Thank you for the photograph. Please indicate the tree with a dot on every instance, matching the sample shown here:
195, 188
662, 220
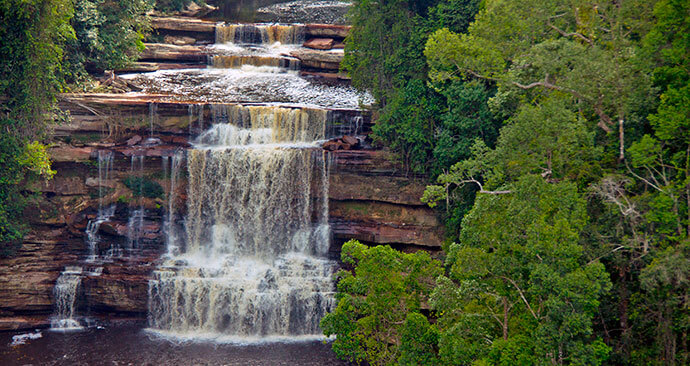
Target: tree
108, 35
32, 34
378, 316
519, 289
569, 47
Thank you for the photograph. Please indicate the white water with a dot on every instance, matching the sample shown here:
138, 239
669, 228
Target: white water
105, 167
253, 264
135, 223
171, 229
65, 292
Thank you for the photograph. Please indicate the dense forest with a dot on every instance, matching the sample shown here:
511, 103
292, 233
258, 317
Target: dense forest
558, 136
556, 139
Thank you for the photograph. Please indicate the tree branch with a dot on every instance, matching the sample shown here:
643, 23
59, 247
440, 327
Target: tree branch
566, 34
481, 188
522, 296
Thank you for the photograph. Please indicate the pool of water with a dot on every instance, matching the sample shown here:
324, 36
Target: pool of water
130, 344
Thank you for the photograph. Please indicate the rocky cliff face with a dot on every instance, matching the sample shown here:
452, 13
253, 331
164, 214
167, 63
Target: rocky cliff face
369, 198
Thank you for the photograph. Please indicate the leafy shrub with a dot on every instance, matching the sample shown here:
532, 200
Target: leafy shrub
142, 186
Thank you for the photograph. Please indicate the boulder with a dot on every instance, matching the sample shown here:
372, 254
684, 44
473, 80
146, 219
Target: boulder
350, 140
320, 43
134, 140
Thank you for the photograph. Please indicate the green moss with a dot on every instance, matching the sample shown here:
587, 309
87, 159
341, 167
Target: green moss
143, 186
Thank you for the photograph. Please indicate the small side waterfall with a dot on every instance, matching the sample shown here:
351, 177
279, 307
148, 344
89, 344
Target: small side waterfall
65, 292
171, 216
105, 167
254, 259
136, 216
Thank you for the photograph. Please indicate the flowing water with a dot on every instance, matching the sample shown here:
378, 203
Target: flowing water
65, 292
254, 263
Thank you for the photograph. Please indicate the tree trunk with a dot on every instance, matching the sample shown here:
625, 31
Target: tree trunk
621, 139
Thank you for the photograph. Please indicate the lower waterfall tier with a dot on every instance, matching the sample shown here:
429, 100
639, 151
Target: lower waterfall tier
242, 297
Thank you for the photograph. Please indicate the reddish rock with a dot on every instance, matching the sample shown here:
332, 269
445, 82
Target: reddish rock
320, 43
350, 140
331, 145
134, 140
327, 30
70, 154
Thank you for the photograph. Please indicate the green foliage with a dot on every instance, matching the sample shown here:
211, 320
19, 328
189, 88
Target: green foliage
378, 317
32, 33
142, 186
383, 50
408, 123
563, 47
109, 35
384, 55
519, 274
167, 6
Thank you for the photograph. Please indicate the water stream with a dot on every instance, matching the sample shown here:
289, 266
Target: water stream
254, 261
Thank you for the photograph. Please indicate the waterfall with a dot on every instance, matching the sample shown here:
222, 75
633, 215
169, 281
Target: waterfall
259, 33
245, 125
172, 235
254, 260
153, 116
236, 61
105, 167
135, 223
65, 292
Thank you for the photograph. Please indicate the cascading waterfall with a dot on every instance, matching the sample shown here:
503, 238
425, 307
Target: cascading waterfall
136, 217
171, 230
236, 61
259, 33
65, 292
105, 167
253, 263
153, 117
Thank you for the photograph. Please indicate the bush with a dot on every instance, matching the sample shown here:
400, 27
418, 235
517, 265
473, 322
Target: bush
142, 186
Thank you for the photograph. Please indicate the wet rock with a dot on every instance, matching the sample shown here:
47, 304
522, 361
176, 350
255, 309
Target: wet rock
134, 140
320, 43
350, 140
334, 145
112, 228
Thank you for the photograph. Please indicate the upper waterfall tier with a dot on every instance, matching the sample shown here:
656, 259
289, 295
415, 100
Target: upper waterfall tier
259, 33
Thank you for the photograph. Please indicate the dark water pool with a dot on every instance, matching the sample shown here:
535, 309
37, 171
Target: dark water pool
131, 345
